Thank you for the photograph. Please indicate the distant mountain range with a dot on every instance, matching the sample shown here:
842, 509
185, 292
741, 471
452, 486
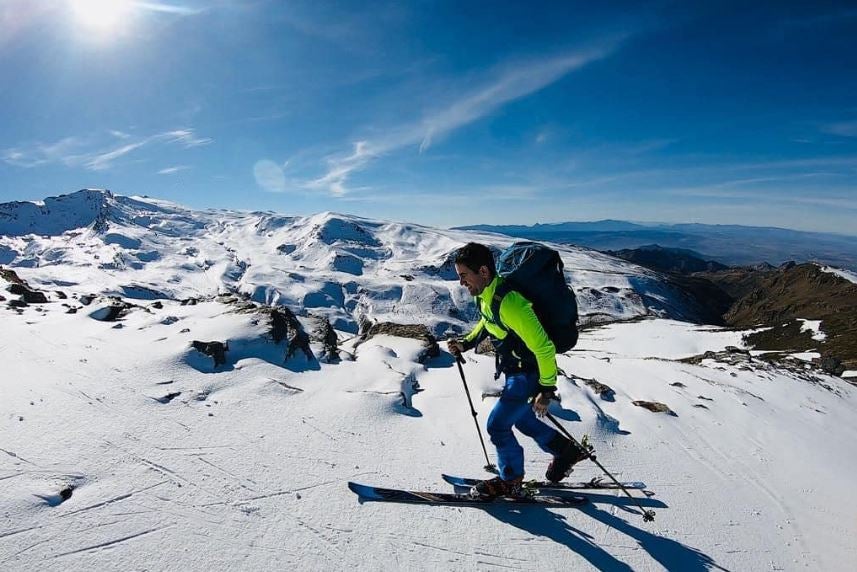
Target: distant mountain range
727, 244
350, 270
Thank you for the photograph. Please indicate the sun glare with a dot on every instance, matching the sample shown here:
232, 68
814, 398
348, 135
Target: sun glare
102, 16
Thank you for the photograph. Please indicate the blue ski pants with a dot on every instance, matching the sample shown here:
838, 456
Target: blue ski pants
515, 410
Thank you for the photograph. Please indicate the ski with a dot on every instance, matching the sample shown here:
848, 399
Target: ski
594, 484
367, 492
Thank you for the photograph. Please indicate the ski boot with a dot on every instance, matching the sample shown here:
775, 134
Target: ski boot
497, 487
568, 454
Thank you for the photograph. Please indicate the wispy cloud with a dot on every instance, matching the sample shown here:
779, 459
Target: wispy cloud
61, 151
103, 161
841, 128
184, 136
80, 152
165, 8
505, 85
173, 170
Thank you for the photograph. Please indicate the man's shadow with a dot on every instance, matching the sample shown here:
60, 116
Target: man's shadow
539, 521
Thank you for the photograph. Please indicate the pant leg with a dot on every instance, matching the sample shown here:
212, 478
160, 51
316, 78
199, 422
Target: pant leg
530, 425
508, 410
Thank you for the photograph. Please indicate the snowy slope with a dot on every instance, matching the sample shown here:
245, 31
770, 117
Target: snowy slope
123, 447
346, 268
842, 273
178, 465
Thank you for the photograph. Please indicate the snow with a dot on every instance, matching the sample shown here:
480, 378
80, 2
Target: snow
246, 466
842, 273
346, 268
813, 326
806, 356
175, 464
849, 373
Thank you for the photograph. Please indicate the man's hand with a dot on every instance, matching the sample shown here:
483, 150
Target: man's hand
455, 347
542, 401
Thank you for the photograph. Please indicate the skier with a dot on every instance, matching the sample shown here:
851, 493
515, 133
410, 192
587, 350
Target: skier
527, 358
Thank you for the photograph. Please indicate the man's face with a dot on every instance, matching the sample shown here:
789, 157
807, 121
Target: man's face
475, 282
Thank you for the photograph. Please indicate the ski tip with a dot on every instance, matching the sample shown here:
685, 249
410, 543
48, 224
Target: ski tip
361, 490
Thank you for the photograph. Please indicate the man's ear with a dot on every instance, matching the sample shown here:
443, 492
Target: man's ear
484, 272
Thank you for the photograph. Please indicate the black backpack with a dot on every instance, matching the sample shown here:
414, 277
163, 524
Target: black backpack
535, 271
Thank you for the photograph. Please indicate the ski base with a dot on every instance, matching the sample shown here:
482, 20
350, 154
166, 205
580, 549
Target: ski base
367, 492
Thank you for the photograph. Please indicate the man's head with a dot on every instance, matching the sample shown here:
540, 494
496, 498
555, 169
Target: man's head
474, 264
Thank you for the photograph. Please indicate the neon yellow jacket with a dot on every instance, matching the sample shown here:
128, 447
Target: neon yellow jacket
516, 313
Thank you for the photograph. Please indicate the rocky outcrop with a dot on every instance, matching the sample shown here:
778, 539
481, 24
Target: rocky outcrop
655, 407
413, 331
217, 350
10, 276
27, 295
285, 326
326, 335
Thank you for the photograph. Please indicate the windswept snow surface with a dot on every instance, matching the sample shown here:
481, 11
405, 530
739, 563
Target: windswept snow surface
174, 464
842, 273
346, 268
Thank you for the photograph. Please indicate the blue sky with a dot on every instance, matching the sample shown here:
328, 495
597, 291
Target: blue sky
441, 113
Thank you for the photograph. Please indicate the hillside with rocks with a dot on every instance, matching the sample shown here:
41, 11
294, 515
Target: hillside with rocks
187, 390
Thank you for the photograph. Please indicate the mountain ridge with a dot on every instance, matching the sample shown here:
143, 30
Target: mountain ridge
733, 245
346, 268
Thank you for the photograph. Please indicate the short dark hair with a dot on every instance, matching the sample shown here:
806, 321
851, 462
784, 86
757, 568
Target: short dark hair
474, 256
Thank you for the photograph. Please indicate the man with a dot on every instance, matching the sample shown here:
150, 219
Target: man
527, 358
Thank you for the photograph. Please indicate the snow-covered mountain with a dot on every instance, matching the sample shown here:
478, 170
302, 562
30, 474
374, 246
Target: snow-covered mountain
346, 268
124, 446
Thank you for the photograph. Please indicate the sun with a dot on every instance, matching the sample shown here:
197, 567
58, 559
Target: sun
102, 16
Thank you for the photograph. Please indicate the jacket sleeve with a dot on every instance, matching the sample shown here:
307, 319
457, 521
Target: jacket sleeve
476, 335
517, 314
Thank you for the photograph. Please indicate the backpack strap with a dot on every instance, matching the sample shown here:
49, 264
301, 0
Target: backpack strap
499, 294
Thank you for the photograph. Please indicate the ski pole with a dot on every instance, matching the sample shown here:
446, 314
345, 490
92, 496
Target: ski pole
648, 515
489, 466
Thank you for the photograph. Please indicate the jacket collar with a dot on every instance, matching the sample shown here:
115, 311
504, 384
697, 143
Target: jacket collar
488, 293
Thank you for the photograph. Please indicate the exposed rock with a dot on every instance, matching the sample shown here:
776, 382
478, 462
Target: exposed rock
2, 298
10, 276
325, 334
485, 347
772, 361
190, 302
17, 304
413, 331
216, 350
29, 296
158, 305
87, 299
116, 310
285, 326
655, 407
168, 397
678, 384
831, 365
605, 391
